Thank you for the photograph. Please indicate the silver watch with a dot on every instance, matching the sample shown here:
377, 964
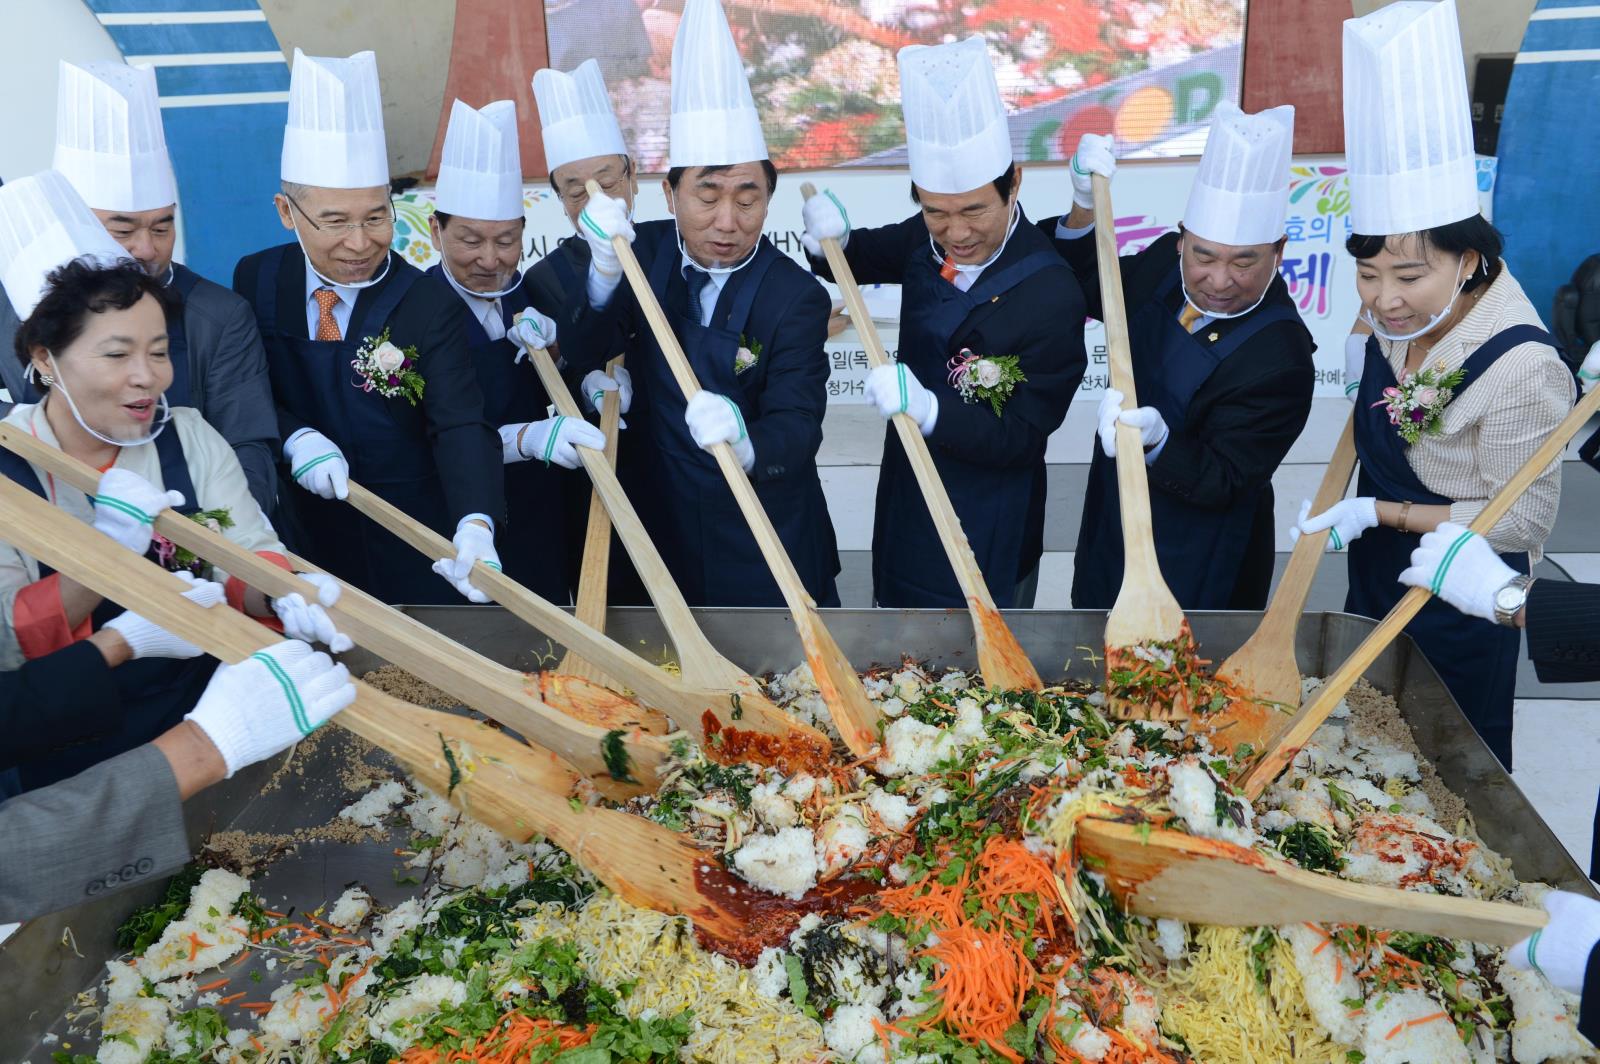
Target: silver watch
1510, 599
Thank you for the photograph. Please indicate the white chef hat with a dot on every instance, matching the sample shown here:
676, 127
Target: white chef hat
44, 224
575, 115
714, 119
480, 166
956, 131
1240, 193
109, 140
1407, 120
334, 138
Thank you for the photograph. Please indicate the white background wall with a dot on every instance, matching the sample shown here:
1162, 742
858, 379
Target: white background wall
38, 35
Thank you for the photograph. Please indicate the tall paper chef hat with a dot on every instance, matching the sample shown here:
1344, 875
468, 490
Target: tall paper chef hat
956, 131
714, 119
45, 224
480, 167
575, 116
334, 138
109, 140
1407, 120
1240, 193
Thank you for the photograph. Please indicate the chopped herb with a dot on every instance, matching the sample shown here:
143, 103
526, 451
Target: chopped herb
616, 756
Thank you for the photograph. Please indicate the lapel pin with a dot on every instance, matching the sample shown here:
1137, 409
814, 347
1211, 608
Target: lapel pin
1213, 337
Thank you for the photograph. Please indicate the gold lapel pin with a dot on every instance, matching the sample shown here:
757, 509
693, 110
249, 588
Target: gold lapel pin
1213, 337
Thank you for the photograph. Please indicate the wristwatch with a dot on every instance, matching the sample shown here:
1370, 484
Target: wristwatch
1510, 599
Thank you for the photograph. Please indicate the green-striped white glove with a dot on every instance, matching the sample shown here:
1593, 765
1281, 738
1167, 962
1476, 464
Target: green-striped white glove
714, 419
126, 505
270, 701
555, 439
1460, 567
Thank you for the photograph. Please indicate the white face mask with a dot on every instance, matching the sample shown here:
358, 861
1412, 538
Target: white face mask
718, 271
516, 283
388, 257
155, 430
1217, 315
1433, 323
1016, 216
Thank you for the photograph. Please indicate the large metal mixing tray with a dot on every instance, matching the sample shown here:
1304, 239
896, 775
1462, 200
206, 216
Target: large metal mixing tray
41, 972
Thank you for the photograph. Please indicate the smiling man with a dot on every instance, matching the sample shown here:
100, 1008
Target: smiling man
110, 146
752, 323
406, 420
1222, 365
981, 288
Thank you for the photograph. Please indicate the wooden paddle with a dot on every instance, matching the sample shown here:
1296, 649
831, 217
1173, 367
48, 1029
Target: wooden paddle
1145, 610
1000, 656
594, 576
701, 664
686, 706
517, 790
1295, 733
1265, 666
1158, 872
500, 692
856, 717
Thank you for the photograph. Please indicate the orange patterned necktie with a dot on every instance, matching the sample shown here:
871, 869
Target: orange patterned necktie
327, 327
947, 268
1188, 316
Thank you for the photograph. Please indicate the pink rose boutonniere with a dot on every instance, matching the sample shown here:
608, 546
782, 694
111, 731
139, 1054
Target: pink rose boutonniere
990, 378
388, 370
1417, 403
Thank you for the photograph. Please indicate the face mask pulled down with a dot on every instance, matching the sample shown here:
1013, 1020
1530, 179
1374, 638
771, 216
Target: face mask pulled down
60, 385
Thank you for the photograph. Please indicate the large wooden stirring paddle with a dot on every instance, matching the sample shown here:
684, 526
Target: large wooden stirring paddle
1296, 732
1145, 610
1265, 666
1159, 872
701, 664
594, 575
465, 674
856, 717
519, 791
1000, 657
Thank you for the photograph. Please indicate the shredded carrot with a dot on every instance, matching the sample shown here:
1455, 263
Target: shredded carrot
232, 997
256, 1006
196, 944
257, 1043
212, 985
511, 1040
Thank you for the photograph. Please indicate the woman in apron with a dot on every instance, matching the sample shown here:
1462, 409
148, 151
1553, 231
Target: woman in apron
98, 347
1460, 386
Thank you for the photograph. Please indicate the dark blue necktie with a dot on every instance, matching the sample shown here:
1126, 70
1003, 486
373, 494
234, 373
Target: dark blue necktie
696, 281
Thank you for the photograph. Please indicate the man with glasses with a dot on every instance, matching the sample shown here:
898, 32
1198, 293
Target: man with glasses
369, 367
111, 148
991, 338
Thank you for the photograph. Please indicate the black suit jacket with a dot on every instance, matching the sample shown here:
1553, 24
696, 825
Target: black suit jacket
1563, 624
63, 698
466, 448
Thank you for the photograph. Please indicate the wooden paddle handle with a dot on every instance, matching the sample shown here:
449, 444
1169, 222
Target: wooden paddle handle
1309, 719
1289, 601
1133, 487
593, 577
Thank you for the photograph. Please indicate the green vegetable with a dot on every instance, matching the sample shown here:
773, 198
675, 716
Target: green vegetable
145, 925
616, 756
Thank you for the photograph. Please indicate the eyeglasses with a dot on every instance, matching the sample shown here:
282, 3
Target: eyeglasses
344, 227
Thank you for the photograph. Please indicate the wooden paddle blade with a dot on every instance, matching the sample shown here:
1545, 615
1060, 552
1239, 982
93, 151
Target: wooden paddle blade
1298, 731
593, 577
1164, 873
856, 717
1001, 659
594, 703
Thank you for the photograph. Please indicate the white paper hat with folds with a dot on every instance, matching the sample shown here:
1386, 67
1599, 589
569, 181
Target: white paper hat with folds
575, 116
480, 166
109, 140
714, 119
956, 131
334, 138
1407, 120
1240, 193
44, 223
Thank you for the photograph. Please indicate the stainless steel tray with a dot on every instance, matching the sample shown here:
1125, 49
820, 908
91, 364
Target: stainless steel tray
41, 972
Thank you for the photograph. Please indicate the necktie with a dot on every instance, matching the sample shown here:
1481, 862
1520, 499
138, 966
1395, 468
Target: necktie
327, 327
697, 283
493, 324
1188, 316
947, 268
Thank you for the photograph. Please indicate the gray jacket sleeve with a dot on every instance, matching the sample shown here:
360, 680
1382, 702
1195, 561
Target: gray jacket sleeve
112, 826
235, 395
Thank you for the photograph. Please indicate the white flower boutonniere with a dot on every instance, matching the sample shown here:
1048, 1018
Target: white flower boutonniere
991, 379
748, 355
388, 370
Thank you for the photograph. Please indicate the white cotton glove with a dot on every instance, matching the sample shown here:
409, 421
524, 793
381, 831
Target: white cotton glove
317, 464
602, 218
1460, 567
894, 389
1355, 360
531, 329
309, 621
270, 701
1589, 372
1560, 950
596, 383
1096, 154
1345, 521
473, 543
1152, 426
555, 439
126, 505
147, 640
714, 419
825, 218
